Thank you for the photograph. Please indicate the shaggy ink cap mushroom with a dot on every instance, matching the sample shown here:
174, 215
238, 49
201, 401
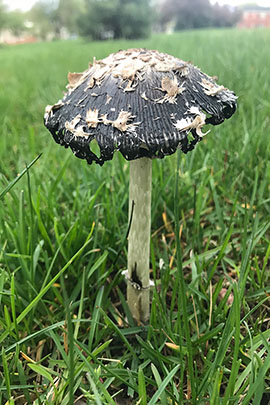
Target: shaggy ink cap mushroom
141, 102
145, 104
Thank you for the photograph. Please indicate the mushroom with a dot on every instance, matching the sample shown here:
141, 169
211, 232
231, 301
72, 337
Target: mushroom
145, 104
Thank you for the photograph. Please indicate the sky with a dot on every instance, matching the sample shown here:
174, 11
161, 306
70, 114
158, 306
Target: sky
25, 5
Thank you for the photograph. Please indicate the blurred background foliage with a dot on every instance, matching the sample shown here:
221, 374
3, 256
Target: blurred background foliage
114, 19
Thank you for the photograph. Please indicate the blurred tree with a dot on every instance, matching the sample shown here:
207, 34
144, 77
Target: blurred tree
2, 14
186, 14
15, 21
223, 16
115, 18
67, 14
51, 17
43, 15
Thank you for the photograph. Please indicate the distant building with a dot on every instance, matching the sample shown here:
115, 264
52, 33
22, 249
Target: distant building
255, 17
9, 38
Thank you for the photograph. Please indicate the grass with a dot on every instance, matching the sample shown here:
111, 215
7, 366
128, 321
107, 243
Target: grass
65, 330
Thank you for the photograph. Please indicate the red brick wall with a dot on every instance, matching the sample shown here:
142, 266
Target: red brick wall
254, 19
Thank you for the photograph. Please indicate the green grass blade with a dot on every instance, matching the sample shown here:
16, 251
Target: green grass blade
12, 304
12, 183
6, 373
118, 332
77, 325
235, 364
41, 370
43, 291
259, 382
214, 399
163, 397
95, 317
163, 385
182, 288
142, 387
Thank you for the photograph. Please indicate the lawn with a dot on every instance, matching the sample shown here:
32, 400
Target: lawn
66, 333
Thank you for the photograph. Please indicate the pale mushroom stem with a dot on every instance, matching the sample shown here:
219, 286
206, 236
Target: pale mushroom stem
139, 238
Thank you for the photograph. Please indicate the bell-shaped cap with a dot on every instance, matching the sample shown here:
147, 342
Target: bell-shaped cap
143, 103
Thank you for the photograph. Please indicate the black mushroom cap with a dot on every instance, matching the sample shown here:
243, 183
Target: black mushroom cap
140, 102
